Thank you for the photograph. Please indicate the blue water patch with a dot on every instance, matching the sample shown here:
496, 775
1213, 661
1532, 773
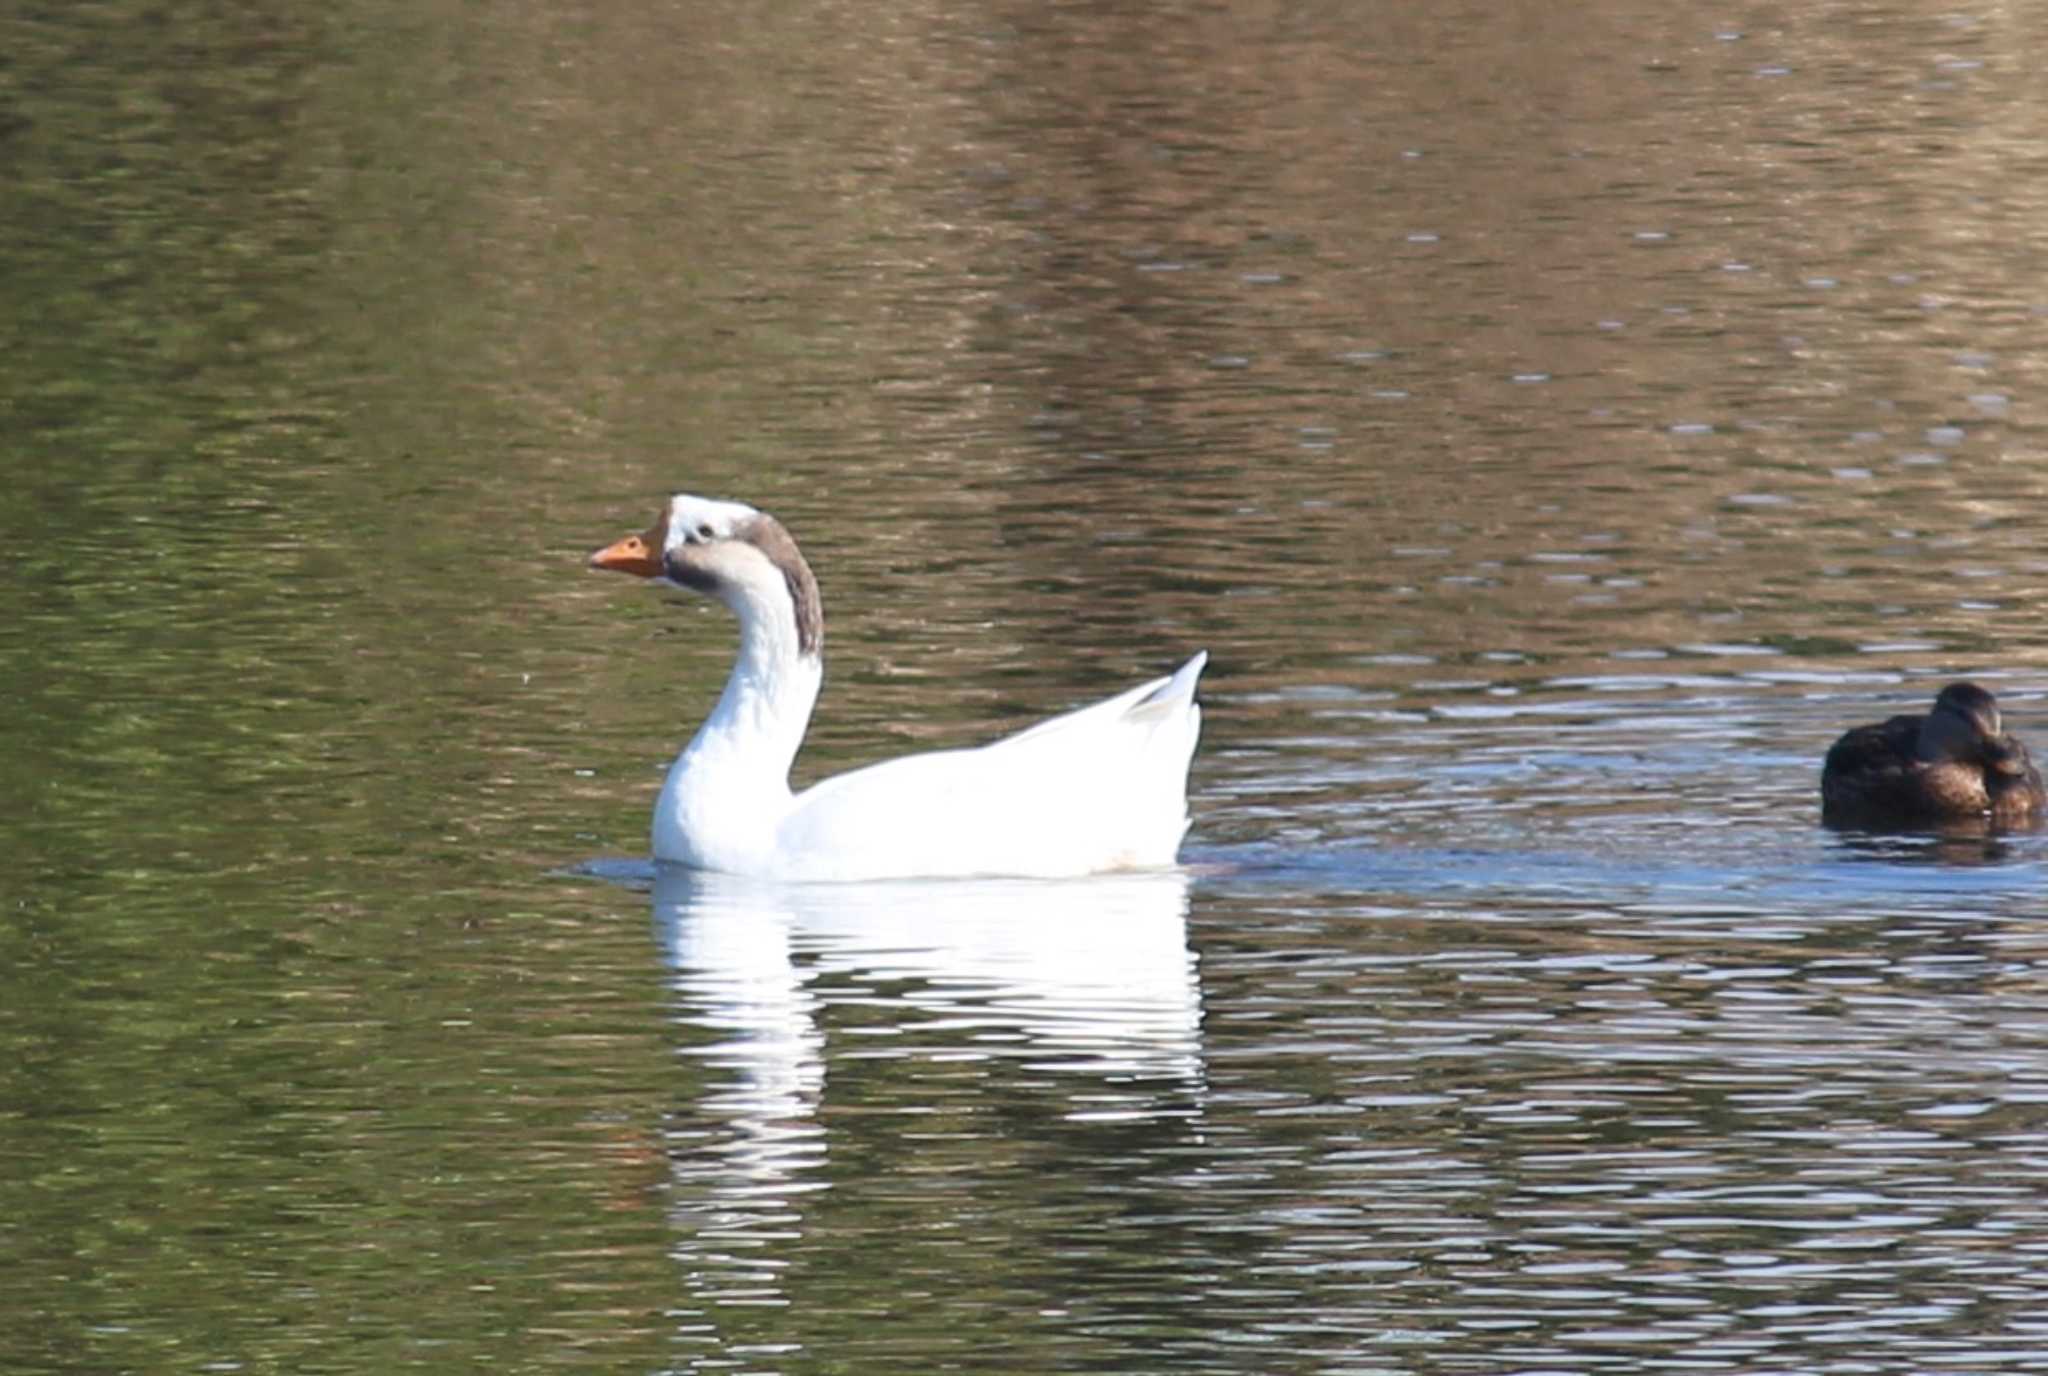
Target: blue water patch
1817, 874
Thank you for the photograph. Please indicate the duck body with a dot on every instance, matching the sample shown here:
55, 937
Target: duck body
1951, 764
1097, 789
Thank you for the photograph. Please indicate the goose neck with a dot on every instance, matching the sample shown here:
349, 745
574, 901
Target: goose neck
761, 717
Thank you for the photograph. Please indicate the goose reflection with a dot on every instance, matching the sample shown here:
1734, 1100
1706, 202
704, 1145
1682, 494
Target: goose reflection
1092, 976
1083, 988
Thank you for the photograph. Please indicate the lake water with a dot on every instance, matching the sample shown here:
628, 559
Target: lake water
1557, 423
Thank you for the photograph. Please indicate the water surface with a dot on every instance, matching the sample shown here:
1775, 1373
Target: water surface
1557, 426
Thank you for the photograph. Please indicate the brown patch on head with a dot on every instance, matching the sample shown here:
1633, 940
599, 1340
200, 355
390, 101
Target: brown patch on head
767, 534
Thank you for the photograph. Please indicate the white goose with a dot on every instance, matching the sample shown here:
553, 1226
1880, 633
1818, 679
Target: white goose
1100, 788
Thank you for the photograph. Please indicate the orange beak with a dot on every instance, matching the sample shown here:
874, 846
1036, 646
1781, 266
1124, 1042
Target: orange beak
639, 555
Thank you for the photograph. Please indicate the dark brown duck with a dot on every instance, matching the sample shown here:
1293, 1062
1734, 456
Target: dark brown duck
1954, 763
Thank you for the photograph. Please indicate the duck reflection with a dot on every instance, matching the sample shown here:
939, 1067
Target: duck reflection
1961, 843
1013, 989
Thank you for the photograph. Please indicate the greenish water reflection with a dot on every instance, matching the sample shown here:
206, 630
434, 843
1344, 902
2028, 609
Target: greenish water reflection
252, 1122
1556, 431
285, 1085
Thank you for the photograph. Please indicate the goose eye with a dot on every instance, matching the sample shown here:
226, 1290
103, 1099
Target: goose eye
704, 531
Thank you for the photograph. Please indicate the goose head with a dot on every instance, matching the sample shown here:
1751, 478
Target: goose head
1965, 727
733, 552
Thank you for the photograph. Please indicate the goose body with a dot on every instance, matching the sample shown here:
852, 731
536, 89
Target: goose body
1100, 788
1953, 763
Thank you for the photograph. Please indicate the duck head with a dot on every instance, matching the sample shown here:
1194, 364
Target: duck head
733, 552
1965, 726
